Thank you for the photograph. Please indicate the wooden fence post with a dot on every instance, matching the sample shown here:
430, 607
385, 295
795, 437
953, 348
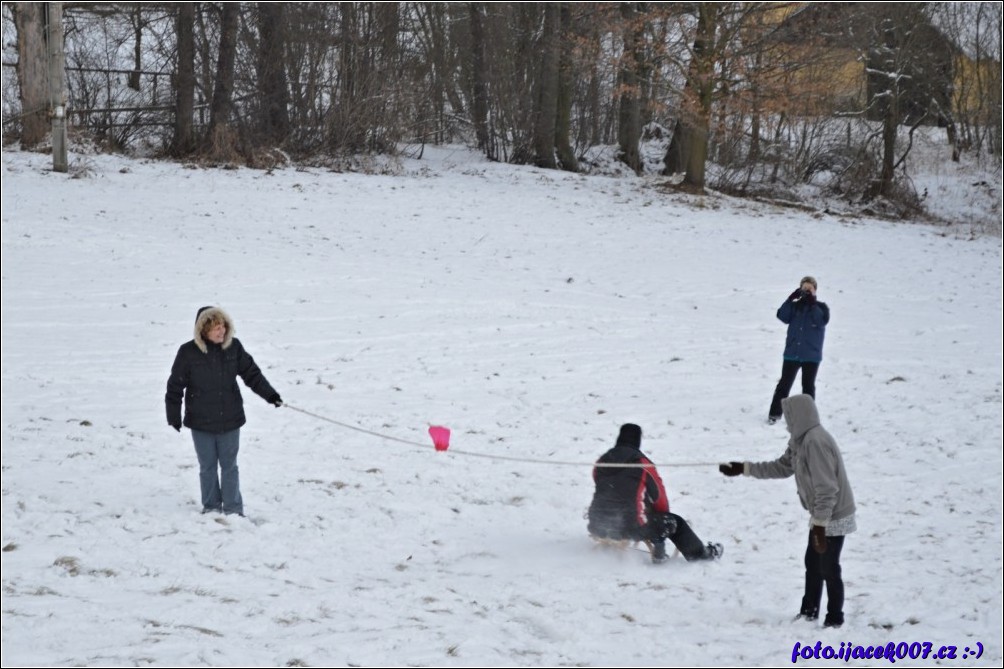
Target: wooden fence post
57, 83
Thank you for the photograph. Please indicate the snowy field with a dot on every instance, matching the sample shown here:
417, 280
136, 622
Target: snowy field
532, 312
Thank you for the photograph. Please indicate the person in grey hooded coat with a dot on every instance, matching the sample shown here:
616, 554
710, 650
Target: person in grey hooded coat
824, 490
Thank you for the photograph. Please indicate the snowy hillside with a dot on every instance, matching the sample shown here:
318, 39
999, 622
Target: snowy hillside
530, 311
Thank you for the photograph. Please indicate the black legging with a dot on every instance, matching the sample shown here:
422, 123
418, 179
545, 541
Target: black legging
788, 371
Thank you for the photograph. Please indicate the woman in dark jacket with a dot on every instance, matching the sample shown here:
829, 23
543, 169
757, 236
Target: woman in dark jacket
205, 373
806, 318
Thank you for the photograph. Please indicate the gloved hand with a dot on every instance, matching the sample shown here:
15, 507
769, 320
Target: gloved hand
732, 468
175, 423
275, 400
819, 538
795, 295
809, 298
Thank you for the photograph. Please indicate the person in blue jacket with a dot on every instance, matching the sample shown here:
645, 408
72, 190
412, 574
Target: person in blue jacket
806, 318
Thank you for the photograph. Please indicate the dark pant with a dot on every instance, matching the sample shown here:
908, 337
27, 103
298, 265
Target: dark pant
623, 526
788, 371
686, 541
824, 568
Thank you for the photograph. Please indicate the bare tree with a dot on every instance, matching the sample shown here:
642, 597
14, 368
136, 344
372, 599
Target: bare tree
478, 80
308, 53
138, 23
546, 98
222, 140
975, 27
629, 91
909, 75
566, 87
688, 149
697, 105
273, 97
443, 72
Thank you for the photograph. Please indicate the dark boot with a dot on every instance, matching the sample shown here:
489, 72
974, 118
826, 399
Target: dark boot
807, 614
833, 620
659, 552
713, 551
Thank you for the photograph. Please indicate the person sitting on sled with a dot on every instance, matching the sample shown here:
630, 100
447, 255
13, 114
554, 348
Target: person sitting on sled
630, 503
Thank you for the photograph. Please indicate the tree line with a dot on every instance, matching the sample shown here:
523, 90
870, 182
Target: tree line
761, 93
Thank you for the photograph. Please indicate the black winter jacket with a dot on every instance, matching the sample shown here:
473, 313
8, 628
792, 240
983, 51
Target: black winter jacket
625, 496
206, 375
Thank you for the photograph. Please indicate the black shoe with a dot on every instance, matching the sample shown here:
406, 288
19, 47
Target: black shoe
834, 620
714, 551
807, 615
772, 419
659, 553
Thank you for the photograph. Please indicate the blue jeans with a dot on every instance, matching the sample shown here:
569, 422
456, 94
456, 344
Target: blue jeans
219, 450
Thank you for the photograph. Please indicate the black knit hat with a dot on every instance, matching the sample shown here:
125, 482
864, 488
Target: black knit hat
630, 435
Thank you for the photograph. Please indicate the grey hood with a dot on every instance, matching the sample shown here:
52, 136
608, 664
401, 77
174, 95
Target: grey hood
800, 414
814, 459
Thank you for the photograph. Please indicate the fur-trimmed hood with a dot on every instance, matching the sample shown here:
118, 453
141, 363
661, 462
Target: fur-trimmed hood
206, 314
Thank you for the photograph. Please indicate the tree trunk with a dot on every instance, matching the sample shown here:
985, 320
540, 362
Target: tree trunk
889, 63
566, 72
386, 125
204, 84
185, 93
438, 47
546, 107
137, 49
688, 148
273, 121
222, 142
595, 126
32, 72
674, 161
629, 108
754, 153
349, 133
890, 126
479, 80
696, 128
591, 131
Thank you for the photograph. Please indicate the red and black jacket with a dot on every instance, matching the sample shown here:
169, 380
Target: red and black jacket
625, 496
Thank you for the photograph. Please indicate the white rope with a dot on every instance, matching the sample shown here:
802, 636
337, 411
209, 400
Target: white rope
489, 456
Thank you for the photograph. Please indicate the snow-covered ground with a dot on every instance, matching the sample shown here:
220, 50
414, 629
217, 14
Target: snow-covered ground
530, 311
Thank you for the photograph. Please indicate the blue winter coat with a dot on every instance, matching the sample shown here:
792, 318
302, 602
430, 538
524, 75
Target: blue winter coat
806, 329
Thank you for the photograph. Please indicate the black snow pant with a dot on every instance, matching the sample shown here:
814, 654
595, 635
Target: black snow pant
788, 372
689, 545
623, 527
823, 568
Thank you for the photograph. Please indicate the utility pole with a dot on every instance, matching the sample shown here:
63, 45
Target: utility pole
57, 83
